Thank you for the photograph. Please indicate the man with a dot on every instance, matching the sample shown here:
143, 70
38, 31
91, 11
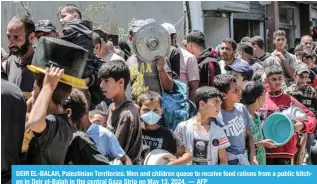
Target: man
228, 49
307, 41
105, 48
67, 13
208, 66
189, 72
286, 60
258, 48
20, 36
245, 52
45, 28
13, 110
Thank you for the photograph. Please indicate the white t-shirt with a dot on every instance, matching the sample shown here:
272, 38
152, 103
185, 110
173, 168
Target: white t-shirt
203, 146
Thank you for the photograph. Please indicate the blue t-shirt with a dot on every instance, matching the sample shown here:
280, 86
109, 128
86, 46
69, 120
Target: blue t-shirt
106, 142
234, 124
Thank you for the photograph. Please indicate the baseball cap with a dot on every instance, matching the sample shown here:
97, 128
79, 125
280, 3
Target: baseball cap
136, 25
301, 68
241, 67
170, 28
245, 47
45, 26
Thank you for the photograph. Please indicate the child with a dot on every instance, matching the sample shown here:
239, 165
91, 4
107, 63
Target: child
253, 96
234, 119
277, 101
76, 107
200, 134
123, 116
242, 71
156, 136
308, 58
98, 116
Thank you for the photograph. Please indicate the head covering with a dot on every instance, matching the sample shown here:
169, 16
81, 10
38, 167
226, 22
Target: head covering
136, 25
45, 26
241, 67
245, 47
57, 52
302, 67
245, 39
170, 28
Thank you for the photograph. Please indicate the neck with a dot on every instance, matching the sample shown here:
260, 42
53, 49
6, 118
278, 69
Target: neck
260, 53
280, 50
199, 51
152, 127
86, 123
202, 119
230, 61
275, 92
27, 56
119, 100
252, 109
228, 106
55, 109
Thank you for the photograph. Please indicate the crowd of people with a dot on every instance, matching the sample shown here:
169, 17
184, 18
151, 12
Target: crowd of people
205, 105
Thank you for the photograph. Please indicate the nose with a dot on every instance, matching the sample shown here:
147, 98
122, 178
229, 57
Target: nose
11, 42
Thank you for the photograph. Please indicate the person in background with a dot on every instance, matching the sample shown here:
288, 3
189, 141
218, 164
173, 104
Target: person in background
156, 136
253, 94
205, 140
98, 116
308, 58
242, 71
258, 48
45, 28
298, 53
245, 52
67, 13
307, 42
124, 46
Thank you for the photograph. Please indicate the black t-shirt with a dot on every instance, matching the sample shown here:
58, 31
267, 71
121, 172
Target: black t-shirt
13, 110
50, 147
162, 138
174, 60
83, 151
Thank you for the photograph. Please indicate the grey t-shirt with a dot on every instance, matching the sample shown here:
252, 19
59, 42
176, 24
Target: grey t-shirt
234, 124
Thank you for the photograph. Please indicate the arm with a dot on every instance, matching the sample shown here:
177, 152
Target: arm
167, 82
123, 131
251, 148
183, 157
36, 121
222, 154
193, 86
126, 160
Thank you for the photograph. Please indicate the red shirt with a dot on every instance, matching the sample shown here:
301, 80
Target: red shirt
278, 104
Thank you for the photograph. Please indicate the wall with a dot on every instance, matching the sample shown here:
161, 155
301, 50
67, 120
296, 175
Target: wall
216, 29
297, 22
123, 12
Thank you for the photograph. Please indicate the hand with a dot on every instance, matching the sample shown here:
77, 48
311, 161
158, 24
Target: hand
298, 126
279, 55
268, 143
160, 62
52, 77
254, 161
171, 161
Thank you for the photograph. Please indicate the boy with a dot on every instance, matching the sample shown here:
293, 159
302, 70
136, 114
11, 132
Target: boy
156, 136
123, 116
253, 96
98, 116
200, 134
242, 71
308, 58
277, 101
77, 110
234, 119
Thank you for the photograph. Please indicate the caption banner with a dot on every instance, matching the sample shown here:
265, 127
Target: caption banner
162, 174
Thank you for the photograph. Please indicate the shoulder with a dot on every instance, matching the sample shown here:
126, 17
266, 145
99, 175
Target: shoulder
9, 89
239, 106
129, 110
132, 60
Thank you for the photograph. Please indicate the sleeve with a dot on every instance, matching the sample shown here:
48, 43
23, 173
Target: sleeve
293, 61
310, 123
179, 132
192, 69
113, 146
93, 156
223, 140
179, 142
124, 129
167, 65
175, 61
247, 118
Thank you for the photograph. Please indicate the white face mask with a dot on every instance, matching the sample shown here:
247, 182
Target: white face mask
150, 118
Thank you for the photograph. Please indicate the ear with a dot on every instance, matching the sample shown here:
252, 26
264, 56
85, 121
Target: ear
121, 81
31, 38
76, 15
201, 104
97, 47
68, 112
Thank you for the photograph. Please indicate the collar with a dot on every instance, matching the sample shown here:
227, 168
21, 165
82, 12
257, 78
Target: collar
275, 94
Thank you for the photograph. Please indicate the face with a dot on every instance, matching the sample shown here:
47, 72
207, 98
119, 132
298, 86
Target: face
98, 119
309, 61
18, 43
174, 40
301, 80
211, 107
110, 87
190, 47
64, 16
280, 42
234, 93
149, 105
261, 99
255, 50
226, 51
307, 41
275, 82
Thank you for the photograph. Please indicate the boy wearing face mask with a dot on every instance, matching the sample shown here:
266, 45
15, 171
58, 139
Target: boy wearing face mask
156, 136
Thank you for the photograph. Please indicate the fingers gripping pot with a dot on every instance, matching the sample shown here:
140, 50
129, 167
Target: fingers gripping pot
63, 54
150, 41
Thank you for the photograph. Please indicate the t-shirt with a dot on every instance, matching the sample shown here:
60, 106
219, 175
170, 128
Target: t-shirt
124, 122
174, 60
256, 130
188, 67
144, 76
234, 124
204, 147
83, 151
50, 146
106, 142
162, 138
13, 109
112, 56
19, 74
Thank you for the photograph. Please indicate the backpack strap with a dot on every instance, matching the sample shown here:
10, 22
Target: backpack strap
211, 73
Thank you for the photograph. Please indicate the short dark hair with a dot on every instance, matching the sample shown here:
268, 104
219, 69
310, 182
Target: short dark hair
29, 25
245, 39
307, 52
60, 93
231, 41
251, 91
150, 95
77, 102
206, 92
258, 75
115, 69
197, 37
257, 40
70, 8
124, 46
236, 75
273, 69
96, 39
222, 82
298, 49
96, 111
279, 33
